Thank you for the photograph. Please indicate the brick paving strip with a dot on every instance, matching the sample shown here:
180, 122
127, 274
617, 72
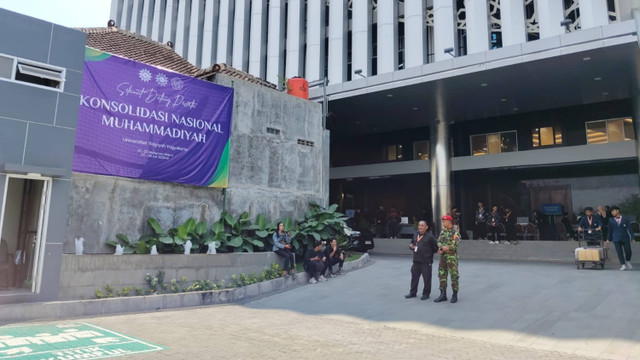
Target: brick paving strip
238, 332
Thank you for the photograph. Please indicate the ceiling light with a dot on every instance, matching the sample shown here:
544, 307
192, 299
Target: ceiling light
598, 78
389, 95
483, 84
357, 122
415, 108
586, 58
605, 93
503, 100
515, 109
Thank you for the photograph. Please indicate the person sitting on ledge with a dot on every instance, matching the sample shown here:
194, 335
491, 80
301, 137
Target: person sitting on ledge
316, 263
334, 256
282, 246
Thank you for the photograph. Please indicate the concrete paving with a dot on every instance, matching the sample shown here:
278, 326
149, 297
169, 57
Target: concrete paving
507, 310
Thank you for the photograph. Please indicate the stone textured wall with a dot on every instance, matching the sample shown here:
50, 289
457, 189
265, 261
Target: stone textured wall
269, 174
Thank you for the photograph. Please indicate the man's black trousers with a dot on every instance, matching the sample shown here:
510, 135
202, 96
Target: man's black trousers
418, 269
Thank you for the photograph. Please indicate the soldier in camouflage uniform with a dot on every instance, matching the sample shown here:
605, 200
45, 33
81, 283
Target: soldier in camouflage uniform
448, 249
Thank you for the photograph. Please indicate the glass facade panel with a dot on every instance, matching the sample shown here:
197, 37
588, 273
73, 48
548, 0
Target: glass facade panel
421, 150
479, 145
629, 131
597, 132
391, 153
546, 136
508, 141
535, 137
615, 130
493, 143
558, 135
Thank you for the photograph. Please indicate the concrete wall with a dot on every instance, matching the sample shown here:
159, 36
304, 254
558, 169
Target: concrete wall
81, 276
37, 124
269, 174
589, 191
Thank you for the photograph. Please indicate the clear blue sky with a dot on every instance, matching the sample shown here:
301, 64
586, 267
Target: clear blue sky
70, 13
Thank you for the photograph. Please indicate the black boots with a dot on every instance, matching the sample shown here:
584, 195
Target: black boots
442, 297
454, 297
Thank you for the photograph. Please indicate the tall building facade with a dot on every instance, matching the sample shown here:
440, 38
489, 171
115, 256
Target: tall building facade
432, 103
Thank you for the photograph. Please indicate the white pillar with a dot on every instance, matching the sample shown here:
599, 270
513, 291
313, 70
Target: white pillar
275, 42
387, 53
225, 32
415, 34
157, 28
125, 22
361, 37
258, 38
196, 28
116, 11
136, 17
295, 39
593, 13
170, 19
315, 56
512, 18
338, 27
550, 15
182, 28
147, 18
209, 34
444, 32
240, 59
478, 35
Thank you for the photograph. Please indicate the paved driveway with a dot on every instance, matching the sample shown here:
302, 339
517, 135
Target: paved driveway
506, 311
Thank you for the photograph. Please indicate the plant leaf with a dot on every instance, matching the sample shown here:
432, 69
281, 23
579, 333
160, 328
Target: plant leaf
190, 225
332, 209
264, 233
261, 222
112, 243
315, 236
155, 226
217, 227
123, 238
142, 248
229, 219
257, 243
201, 228
166, 239
248, 247
236, 241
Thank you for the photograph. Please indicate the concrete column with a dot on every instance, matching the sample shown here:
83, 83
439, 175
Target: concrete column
182, 28
415, 34
387, 54
157, 27
440, 170
593, 13
147, 18
136, 16
314, 58
295, 39
116, 12
225, 32
635, 102
444, 32
338, 28
258, 38
210, 34
512, 18
170, 19
127, 8
242, 19
478, 35
275, 42
361, 37
550, 15
196, 27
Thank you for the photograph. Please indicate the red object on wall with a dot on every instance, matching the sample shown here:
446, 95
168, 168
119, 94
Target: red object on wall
299, 87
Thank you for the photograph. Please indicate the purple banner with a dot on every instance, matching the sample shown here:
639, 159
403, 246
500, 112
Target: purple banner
143, 122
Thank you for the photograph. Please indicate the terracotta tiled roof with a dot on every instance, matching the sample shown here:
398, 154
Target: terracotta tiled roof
137, 47
142, 49
229, 71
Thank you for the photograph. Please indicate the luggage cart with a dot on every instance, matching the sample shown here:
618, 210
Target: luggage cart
592, 252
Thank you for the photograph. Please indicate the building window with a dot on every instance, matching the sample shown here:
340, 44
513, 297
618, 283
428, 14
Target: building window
421, 150
546, 136
494, 143
24, 71
393, 152
614, 130
6, 67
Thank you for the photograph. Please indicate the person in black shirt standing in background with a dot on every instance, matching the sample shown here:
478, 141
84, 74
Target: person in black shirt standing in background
480, 232
423, 245
510, 226
494, 220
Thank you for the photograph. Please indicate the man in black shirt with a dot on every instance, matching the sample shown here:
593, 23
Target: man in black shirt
316, 263
334, 256
423, 245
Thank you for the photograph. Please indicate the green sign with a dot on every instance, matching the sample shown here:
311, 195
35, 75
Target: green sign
67, 342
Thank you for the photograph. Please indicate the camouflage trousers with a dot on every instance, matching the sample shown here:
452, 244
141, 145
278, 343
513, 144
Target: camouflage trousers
448, 265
